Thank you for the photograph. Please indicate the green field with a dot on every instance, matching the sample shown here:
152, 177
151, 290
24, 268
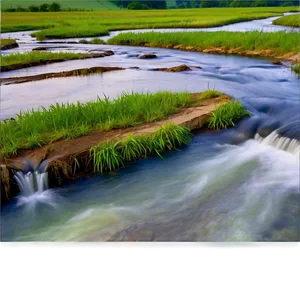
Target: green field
277, 43
65, 4
293, 21
80, 24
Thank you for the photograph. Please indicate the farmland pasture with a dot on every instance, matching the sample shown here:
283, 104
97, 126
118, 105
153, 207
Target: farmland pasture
80, 24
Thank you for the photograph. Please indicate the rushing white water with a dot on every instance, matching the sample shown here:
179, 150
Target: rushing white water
32, 182
34, 188
280, 142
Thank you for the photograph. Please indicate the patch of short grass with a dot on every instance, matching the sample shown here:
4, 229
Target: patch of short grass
292, 21
97, 41
227, 115
209, 94
62, 32
5, 42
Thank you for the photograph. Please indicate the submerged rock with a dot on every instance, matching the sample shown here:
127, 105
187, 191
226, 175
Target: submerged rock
39, 49
109, 52
148, 56
268, 127
196, 67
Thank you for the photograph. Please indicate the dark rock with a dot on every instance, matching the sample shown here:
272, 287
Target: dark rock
148, 56
277, 63
196, 67
109, 52
291, 130
9, 119
134, 68
39, 49
8, 185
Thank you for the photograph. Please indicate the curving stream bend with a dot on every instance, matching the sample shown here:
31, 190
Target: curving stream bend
231, 185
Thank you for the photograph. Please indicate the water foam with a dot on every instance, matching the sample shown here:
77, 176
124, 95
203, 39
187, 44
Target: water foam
34, 189
279, 142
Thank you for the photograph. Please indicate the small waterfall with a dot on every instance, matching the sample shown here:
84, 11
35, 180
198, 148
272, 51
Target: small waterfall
32, 182
280, 142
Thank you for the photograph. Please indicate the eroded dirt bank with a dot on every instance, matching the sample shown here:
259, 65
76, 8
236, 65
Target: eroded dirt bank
269, 53
61, 154
77, 72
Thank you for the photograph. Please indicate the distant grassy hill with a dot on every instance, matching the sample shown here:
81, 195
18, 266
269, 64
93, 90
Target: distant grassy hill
65, 4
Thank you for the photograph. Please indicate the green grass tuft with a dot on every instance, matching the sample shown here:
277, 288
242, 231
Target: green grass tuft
97, 41
226, 115
296, 68
133, 148
209, 94
106, 157
111, 155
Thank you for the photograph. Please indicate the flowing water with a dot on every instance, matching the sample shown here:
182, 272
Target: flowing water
236, 185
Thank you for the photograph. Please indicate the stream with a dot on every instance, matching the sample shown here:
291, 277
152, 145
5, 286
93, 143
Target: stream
233, 185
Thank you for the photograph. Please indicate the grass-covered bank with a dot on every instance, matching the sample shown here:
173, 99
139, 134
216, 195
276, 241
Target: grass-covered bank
244, 43
36, 128
82, 24
292, 21
24, 60
8, 44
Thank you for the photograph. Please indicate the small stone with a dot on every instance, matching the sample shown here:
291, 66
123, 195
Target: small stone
148, 56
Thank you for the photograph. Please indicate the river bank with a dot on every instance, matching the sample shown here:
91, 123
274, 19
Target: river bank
278, 45
62, 155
